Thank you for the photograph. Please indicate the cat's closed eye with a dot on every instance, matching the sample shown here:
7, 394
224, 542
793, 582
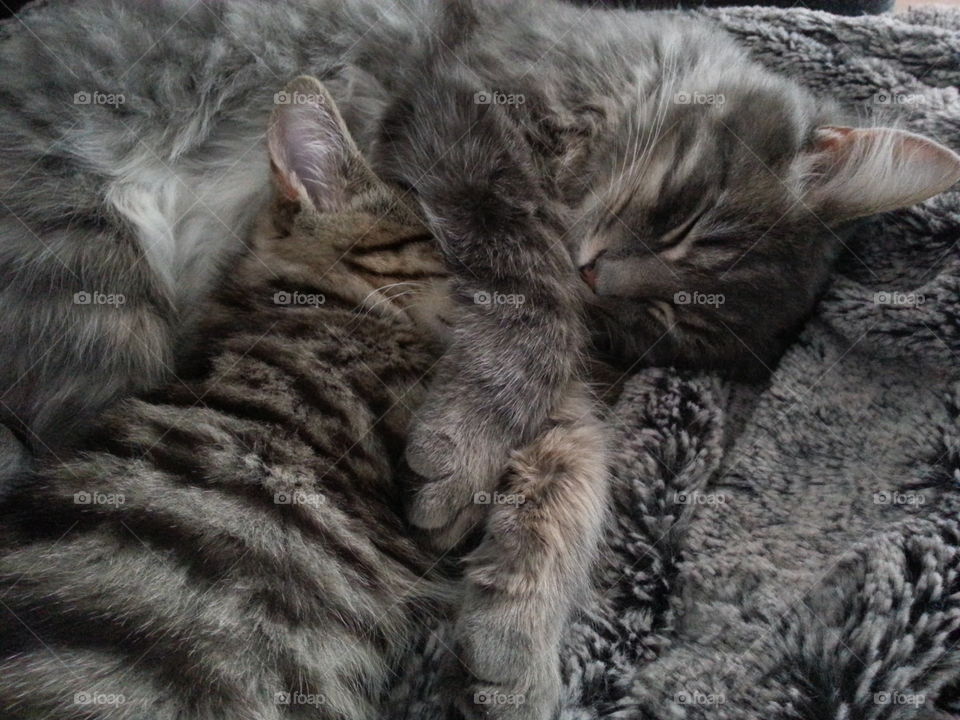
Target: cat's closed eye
739, 239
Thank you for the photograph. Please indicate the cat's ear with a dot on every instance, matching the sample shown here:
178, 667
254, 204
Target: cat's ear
857, 172
312, 155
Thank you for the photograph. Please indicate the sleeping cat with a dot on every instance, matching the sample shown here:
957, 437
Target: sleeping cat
234, 545
701, 198
641, 160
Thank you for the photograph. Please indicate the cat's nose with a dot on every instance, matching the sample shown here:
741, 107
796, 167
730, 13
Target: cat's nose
588, 272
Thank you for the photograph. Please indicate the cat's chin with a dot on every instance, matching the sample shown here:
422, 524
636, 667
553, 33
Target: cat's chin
609, 315
602, 302
609, 301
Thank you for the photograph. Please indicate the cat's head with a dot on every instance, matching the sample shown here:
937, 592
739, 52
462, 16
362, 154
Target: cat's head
717, 209
332, 217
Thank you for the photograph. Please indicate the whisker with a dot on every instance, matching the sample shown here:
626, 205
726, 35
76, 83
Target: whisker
387, 287
385, 299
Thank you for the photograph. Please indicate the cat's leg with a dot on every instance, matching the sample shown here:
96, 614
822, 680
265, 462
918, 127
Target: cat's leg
542, 532
519, 333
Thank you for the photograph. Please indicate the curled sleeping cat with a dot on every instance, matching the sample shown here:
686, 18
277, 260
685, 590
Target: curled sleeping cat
234, 544
132, 157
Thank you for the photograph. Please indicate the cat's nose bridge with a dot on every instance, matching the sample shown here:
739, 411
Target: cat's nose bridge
635, 276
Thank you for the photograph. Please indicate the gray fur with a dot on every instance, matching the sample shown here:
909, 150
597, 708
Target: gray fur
705, 232
813, 592
234, 545
148, 198
104, 186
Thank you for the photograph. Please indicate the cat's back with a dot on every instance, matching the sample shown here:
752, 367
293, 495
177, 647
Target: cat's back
233, 543
150, 64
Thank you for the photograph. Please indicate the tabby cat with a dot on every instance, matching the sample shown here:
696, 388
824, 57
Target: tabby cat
701, 198
234, 546
640, 161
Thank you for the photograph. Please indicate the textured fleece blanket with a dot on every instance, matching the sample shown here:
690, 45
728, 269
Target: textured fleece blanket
793, 550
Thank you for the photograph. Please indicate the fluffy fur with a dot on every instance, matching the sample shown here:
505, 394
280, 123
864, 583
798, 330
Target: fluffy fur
132, 151
703, 207
234, 546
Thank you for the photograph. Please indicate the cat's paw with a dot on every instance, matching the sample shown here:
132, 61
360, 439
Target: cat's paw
477, 699
442, 494
457, 464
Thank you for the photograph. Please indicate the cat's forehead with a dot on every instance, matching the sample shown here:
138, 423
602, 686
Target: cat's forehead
691, 106
353, 227
682, 154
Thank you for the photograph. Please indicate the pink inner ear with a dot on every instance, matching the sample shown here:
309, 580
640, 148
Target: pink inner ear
286, 189
831, 139
919, 149
309, 148
871, 170
905, 146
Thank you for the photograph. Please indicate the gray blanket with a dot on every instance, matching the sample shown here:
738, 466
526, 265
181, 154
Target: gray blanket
792, 550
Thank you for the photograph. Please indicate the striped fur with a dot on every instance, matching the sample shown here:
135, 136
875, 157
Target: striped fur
234, 545
699, 197
132, 162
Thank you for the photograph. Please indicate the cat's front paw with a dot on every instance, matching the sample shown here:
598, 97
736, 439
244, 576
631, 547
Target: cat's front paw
479, 700
457, 462
441, 495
